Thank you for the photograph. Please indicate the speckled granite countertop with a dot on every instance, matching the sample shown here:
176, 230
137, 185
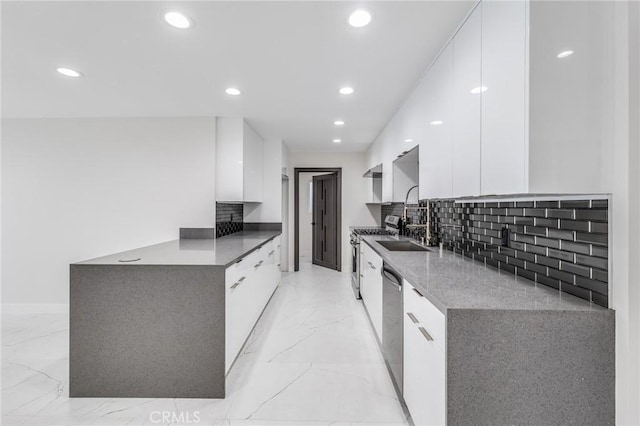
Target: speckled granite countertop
222, 251
452, 281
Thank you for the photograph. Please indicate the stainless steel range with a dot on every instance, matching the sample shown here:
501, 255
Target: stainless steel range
392, 226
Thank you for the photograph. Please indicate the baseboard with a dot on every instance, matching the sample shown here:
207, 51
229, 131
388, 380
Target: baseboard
35, 308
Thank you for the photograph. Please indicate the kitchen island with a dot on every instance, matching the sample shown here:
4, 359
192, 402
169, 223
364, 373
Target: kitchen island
168, 320
482, 346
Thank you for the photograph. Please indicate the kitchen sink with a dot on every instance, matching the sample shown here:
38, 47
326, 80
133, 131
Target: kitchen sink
401, 246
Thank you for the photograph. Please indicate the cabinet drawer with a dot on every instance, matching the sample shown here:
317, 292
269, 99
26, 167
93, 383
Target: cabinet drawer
424, 387
429, 317
238, 317
278, 256
233, 274
371, 258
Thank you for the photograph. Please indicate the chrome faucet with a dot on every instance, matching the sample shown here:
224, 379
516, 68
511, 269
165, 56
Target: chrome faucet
426, 226
406, 198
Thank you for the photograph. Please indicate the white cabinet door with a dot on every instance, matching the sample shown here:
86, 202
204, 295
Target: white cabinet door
239, 161
390, 152
278, 257
424, 387
229, 159
364, 276
272, 268
240, 305
372, 267
253, 165
467, 106
436, 152
503, 148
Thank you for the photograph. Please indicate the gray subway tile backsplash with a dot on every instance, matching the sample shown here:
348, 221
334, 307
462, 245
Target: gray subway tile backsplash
588, 237
562, 244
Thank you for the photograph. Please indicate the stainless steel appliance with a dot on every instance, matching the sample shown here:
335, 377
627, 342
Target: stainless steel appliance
392, 224
392, 329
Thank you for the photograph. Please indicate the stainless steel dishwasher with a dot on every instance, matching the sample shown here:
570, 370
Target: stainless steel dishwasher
392, 329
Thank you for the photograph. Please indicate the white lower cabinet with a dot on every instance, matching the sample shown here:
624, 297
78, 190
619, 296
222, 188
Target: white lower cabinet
277, 245
371, 286
424, 388
249, 284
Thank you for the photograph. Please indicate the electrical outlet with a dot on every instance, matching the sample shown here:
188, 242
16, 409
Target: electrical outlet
505, 234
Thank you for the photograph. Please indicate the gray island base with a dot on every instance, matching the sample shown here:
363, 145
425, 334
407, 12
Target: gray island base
530, 367
154, 328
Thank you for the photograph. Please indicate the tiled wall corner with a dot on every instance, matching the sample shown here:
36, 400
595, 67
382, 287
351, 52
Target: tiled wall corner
395, 209
229, 219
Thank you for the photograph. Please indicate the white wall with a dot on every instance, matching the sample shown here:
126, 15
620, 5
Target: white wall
354, 193
74, 189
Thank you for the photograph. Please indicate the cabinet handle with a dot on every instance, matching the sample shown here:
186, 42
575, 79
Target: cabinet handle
361, 276
258, 264
235, 285
242, 279
278, 264
271, 253
371, 264
418, 293
413, 317
425, 334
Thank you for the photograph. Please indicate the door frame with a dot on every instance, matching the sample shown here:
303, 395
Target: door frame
296, 212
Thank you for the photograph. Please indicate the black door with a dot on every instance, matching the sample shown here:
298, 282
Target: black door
325, 219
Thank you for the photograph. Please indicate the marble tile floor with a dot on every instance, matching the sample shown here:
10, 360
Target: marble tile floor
311, 360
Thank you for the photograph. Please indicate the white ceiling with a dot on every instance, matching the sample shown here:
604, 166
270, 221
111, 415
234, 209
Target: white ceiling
288, 58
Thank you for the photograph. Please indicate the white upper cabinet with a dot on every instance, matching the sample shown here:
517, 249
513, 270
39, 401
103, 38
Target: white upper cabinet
571, 98
467, 48
436, 150
503, 137
239, 161
502, 112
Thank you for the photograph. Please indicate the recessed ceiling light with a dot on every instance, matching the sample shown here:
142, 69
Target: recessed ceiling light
232, 91
479, 89
408, 140
436, 123
69, 72
346, 90
359, 18
177, 20
565, 54
339, 123
337, 140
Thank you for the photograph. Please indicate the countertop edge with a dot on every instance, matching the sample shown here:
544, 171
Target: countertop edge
264, 240
246, 253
